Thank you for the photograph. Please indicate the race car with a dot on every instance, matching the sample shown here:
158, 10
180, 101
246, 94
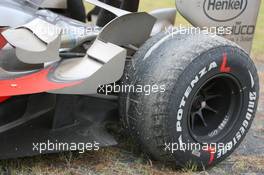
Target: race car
186, 95
71, 8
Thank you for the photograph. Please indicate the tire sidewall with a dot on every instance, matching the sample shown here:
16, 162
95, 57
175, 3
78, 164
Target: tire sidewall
211, 61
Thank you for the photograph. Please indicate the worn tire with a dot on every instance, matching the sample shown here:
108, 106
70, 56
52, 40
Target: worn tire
185, 65
129, 73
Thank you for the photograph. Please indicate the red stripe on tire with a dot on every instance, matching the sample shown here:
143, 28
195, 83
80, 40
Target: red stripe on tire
211, 151
224, 67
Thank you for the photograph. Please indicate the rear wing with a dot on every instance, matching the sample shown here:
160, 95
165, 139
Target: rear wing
232, 19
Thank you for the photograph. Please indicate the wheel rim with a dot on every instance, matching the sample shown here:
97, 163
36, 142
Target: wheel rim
215, 108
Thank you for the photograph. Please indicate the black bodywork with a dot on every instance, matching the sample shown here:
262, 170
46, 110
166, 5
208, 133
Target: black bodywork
27, 120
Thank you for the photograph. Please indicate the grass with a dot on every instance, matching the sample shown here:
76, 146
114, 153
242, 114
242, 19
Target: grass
258, 44
124, 159
107, 161
117, 161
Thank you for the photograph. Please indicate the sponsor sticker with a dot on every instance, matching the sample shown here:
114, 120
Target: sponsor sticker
224, 10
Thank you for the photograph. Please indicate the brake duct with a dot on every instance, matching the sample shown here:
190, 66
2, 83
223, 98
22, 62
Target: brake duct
105, 60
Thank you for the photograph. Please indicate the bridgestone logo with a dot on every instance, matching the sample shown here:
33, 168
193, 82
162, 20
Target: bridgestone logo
225, 4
